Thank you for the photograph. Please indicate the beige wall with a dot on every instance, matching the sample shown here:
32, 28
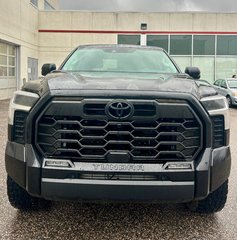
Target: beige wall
19, 26
76, 20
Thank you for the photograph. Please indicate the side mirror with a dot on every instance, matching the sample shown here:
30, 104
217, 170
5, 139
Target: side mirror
193, 72
47, 68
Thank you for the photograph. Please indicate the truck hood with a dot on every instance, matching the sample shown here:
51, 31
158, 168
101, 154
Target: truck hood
179, 83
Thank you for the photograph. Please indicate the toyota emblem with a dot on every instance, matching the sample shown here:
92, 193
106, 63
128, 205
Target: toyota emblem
119, 109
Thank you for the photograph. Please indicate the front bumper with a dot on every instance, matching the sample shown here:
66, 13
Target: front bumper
177, 185
107, 190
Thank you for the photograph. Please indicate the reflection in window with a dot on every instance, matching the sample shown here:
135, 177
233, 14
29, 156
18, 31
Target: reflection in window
11, 61
232, 83
129, 39
3, 71
206, 66
182, 62
11, 72
180, 44
203, 45
3, 60
226, 67
3, 48
11, 50
158, 41
226, 45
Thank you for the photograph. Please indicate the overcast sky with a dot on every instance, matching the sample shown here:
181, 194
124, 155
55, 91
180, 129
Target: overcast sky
151, 5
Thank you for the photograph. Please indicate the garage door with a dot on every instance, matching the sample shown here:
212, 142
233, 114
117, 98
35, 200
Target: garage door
8, 81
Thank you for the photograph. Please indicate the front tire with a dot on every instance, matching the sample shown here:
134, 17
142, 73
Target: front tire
214, 202
20, 199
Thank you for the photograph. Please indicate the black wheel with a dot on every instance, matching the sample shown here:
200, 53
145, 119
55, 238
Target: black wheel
229, 101
214, 202
20, 199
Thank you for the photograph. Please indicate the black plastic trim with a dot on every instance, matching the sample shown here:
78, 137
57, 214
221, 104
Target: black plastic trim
15, 162
220, 169
55, 189
10, 130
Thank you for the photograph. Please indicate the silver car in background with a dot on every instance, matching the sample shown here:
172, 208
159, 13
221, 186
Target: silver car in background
228, 88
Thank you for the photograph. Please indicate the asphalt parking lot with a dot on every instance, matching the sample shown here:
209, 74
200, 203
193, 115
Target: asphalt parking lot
117, 221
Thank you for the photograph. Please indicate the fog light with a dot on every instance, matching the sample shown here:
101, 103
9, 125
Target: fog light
179, 166
58, 163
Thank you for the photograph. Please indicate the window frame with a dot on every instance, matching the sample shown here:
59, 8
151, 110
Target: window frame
7, 65
35, 3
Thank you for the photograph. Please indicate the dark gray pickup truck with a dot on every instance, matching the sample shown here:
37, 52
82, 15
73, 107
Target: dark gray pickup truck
118, 123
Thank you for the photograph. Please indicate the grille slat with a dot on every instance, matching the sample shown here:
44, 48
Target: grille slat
218, 131
19, 126
145, 139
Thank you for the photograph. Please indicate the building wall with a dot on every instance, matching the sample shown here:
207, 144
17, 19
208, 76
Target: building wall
49, 36
19, 26
61, 31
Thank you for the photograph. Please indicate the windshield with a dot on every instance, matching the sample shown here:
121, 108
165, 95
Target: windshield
232, 83
119, 60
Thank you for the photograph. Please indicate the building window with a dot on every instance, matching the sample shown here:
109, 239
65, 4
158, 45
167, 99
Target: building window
226, 45
48, 6
129, 39
183, 61
181, 44
8, 70
226, 66
215, 55
206, 64
34, 2
158, 41
7, 60
203, 45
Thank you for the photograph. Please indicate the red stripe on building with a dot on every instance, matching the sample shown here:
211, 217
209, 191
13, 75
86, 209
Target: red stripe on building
134, 32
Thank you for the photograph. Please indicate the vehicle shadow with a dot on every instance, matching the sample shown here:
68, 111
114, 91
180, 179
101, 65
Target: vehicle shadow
114, 221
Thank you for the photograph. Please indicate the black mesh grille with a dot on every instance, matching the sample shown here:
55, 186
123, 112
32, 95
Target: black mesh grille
146, 140
19, 126
218, 131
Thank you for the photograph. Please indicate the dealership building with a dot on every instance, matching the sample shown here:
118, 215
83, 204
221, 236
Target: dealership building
33, 32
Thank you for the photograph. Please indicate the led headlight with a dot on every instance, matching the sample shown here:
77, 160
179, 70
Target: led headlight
217, 105
22, 101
